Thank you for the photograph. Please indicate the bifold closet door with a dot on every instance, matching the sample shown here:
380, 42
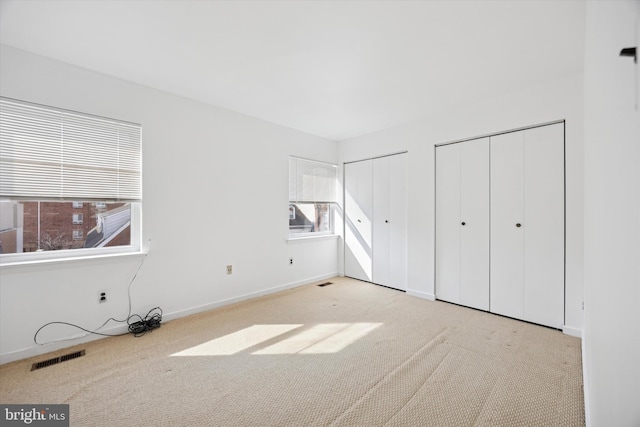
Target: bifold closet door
544, 233
527, 225
507, 233
358, 181
462, 223
390, 221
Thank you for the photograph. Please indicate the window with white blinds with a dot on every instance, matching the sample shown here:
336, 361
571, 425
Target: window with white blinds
312, 194
311, 181
52, 154
56, 163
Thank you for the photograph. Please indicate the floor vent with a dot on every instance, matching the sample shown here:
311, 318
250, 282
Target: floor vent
325, 284
57, 360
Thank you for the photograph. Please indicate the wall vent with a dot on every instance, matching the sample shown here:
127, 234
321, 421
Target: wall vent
56, 360
325, 284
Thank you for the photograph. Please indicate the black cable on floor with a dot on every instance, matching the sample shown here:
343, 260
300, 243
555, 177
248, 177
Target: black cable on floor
137, 328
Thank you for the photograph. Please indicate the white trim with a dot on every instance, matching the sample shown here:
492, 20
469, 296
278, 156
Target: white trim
571, 331
420, 294
585, 387
72, 259
501, 132
307, 237
375, 157
251, 295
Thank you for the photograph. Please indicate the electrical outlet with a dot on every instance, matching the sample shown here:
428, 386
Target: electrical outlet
229, 269
290, 261
102, 297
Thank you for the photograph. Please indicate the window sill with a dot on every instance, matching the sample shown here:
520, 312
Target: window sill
70, 259
306, 238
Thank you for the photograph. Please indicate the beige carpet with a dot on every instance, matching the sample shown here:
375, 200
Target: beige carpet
347, 354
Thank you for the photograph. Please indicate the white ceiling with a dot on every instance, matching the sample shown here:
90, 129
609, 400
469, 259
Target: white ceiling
337, 69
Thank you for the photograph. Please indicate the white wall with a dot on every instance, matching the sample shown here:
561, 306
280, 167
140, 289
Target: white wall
215, 187
550, 101
611, 344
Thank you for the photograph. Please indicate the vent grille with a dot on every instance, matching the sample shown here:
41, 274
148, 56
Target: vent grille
56, 360
325, 284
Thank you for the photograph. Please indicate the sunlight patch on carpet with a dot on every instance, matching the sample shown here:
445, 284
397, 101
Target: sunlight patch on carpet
237, 341
323, 338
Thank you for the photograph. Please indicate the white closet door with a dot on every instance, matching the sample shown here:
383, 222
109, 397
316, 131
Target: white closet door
390, 221
381, 229
448, 228
462, 223
358, 220
397, 225
474, 223
543, 225
507, 219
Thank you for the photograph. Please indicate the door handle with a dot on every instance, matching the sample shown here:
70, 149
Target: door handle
518, 225
359, 220
386, 221
464, 223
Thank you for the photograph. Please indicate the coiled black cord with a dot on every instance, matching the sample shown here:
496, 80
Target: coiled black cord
146, 324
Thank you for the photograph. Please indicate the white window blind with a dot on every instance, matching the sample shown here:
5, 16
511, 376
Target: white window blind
52, 154
311, 181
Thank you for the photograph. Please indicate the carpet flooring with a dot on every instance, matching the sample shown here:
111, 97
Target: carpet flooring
347, 354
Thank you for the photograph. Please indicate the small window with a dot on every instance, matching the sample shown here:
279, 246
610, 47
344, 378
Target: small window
77, 205
77, 218
77, 234
101, 205
312, 195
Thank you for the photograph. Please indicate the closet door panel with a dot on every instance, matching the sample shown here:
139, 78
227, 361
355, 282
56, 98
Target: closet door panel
447, 265
544, 225
398, 221
507, 211
381, 229
474, 213
358, 220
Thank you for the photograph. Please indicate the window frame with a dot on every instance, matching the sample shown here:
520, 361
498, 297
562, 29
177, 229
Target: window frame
134, 248
332, 203
135, 201
77, 218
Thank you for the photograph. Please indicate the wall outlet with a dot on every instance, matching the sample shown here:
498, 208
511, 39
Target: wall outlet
229, 269
290, 261
102, 297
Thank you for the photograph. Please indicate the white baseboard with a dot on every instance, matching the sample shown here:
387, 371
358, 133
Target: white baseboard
420, 294
39, 349
121, 329
574, 332
229, 301
585, 387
